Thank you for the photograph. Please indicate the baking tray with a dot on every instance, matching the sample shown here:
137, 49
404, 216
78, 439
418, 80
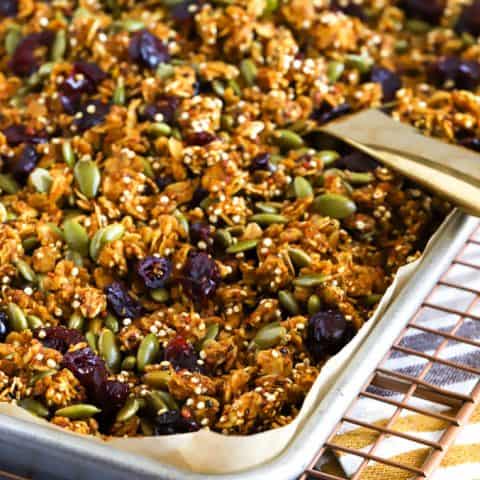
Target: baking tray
38, 452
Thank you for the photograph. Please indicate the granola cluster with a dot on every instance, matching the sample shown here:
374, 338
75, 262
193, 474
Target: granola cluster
180, 247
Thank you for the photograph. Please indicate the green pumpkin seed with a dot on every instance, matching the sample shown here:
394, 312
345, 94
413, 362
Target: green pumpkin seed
401, 46
12, 39
271, 6
147, 351
8, 184
302, 188
335, 71
76, 237
59, 46
76, 321
131, 25
227, 122
129, 363
327, 157
30, 243
160, 129
248, 70
269, 336
287, 140
235, 87
91, 338
334, 205
299, 258
165, 71
288, 302
147, 427
41, 180
74, 257
265, 207
359, 178
108, 348
38, 376
157, 378
242, 246
160, 295
111, 322
313, 280
268, 218
26, 271
68, 153
88, 177
167, 398
314, 304
212, 332
372, 299
34, 406
361, 62
417, 26
218, 87
80, 411
223, 238
103, 236
130, 409
156, 403
119, 92
182, 220
18, 321
34, 322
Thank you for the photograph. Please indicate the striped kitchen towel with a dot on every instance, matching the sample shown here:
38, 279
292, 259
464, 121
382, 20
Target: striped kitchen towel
462, 461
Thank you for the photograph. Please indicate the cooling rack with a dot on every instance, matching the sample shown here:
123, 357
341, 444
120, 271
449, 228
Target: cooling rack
402, 393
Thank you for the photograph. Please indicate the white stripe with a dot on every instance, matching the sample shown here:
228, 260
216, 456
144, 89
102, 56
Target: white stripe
466, 471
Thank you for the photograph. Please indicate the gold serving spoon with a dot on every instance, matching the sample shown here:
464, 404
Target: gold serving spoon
450, 171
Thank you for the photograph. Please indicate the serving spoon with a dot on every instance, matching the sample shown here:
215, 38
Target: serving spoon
450, 171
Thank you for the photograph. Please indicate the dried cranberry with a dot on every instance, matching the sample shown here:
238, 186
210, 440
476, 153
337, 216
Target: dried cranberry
166, 106
120, 301
454, 72
154, 271
92, 113
200, 138
201, 276
199, 195
326, 112
260, 162
111, 395
163, 181
172, 421
357, 162
59, 338
24, 60
200, 232
25, 163
430, 11
147, 50
469, 19
184, 11
181, 354
328, 332
3, 326
17, 134
8, 8
473, 143
349, 7
389, 81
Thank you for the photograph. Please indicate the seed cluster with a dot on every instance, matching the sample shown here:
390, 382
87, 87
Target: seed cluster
180, 247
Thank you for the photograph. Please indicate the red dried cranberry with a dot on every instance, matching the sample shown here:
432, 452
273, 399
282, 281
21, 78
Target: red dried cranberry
8, 8
200, 232
172, 421
24, 61
111, 396
260, 162
147, 50
328, 332
59, 338
326, 112
199, 195
181, 354
454, 72
154, 271
166, 106
349, 7
17, 134
25, 163
92, 113
88, 368
3, 325
389, 81
357, 162
200, 138
201, 276
121, 302
163, 181
469, 19
430, 11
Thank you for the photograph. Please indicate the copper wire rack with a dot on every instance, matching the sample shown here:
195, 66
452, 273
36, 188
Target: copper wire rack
411, 387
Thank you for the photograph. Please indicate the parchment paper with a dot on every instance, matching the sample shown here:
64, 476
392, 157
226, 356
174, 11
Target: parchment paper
193, 451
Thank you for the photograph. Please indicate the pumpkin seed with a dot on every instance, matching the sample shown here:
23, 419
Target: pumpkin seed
359, 178
87, 175
59, 46
242, 246
108, 348
157, 378
314, 304
235, 87
103, 236
335, 71
270, 6
147, 168
38, 376
212, 332
165, 71
95, 325
268, 218
12, 39
147, 427
310, 280
223, 238
119, 92
76, 321
147, 351
288, 302
334, 205
26, 271
401, 46
91, 338
74, 257
287, 140
79, 411
111, 322
160, 129
417, 26
68, 153
372, 299
30, 243
248, 70
129, 363
18, 321
160, 295
360, 62
34, 406
167, 398
131, 25
265, 207
8, 184
218, 87
131, 407
34, 322
76, 237
269, 336
302, 188
227, 122
299, 258
156, 403
182, 220
55, 230
41, 180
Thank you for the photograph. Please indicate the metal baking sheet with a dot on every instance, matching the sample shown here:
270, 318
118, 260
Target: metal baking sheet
37, 452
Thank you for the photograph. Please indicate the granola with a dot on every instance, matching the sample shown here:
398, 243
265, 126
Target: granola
180, 248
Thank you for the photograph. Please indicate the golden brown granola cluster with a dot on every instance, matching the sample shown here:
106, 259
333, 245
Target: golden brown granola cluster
180, 248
